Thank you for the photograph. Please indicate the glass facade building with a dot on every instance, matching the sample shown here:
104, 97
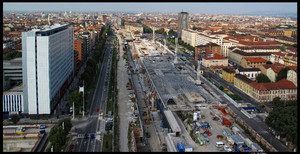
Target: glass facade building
48, 59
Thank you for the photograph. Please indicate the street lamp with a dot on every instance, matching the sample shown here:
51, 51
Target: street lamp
81, 89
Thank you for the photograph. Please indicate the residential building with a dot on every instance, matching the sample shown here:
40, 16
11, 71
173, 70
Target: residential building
213, 60
47, 61
237, 55
273, 71
228, 74
263, 68
189, 36
218, 69
12, 69
209, 48
266, 92
183, 22
252, 62
292, 76
250, 73
13, 101
242, 82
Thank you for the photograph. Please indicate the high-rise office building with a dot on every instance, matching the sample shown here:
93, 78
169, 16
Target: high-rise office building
47, 61
183, 22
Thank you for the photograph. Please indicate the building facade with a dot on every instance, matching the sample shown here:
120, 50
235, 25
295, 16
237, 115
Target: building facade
253, 62
183, 22
214, 60
48, 59
266, 92
189, 36
228, 74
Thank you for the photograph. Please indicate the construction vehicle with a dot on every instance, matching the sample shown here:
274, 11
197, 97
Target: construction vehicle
240, 148
226, 122
208, 132
221, 110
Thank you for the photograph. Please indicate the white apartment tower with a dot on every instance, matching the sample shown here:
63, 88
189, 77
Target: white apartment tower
47, 61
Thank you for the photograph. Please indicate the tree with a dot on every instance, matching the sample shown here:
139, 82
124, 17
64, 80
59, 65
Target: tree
15, 118
282, 48
140, 20
277, 102
269, 62
76, 98
261, 78
282, 74
122, 22
284, 121
172, 32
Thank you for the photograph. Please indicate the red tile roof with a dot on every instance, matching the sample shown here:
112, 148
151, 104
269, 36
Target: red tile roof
277, 68
216, 56
282, 84
255, 59
280, 54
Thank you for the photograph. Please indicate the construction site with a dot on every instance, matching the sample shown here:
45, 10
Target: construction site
186, 115
25, 138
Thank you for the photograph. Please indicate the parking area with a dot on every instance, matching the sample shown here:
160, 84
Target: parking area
215, 127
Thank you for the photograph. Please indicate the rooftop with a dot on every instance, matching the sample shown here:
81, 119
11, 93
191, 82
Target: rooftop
243, 78
256, 59
282, 84
248, 69
215, 56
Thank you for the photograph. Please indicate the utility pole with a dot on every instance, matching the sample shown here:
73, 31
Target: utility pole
83, 98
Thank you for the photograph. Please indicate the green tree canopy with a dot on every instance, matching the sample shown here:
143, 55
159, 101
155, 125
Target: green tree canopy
171, 32
12, 55
160, 31
261, 78
140, 20
269, 62
282, 74
284, 121
15, 118
122, 22
76, 98
146, 29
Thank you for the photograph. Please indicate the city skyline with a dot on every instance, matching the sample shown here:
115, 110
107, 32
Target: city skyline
278, 8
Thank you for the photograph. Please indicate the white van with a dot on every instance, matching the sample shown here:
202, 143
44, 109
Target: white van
219, 144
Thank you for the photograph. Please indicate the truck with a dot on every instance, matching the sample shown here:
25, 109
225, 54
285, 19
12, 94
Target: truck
195, 117
241, 148
92, 135
42, 126
226, 122
180, 147
252, 108
188, 149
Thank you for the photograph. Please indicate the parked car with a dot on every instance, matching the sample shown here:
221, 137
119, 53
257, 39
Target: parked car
227, 148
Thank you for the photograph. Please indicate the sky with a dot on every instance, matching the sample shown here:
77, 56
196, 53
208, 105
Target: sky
203, 8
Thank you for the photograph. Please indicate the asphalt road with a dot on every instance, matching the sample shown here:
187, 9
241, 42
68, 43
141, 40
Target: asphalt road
92, 124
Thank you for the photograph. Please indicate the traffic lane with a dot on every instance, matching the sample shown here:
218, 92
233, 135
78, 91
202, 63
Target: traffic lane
223, 83
91, 128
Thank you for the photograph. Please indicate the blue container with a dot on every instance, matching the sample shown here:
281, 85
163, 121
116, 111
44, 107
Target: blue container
180, 147
42, 131
249, 108
42, 127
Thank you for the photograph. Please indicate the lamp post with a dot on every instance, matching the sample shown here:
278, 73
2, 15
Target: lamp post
83, 98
